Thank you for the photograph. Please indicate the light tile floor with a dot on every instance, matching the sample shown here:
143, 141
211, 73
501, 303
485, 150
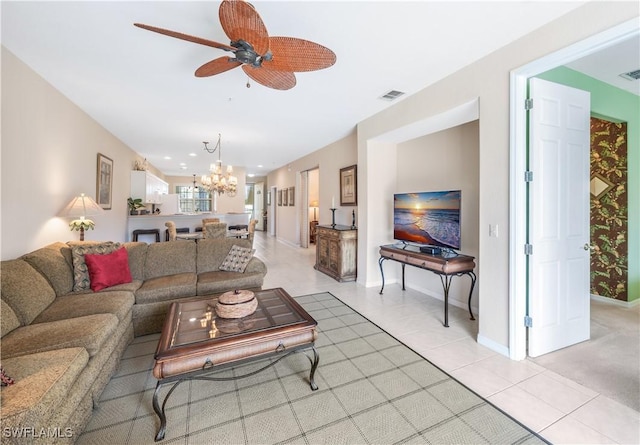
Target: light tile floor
559, 409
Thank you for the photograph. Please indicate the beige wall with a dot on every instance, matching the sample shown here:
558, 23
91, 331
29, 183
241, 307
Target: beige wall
49, 155
488, 81
329, 161
446, 160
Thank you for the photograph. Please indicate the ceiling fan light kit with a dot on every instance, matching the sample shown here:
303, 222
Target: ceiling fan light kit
269, 61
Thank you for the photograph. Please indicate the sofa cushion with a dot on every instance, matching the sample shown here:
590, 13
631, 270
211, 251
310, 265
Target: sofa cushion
9, 319
42, 381
88, 332
81, 279
79, 305
51, 262
24, 289
222, 281
212, 252
137, 255
165, 259
168, 287
109, 269
237, 259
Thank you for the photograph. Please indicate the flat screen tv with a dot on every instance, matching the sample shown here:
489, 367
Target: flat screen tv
428, 218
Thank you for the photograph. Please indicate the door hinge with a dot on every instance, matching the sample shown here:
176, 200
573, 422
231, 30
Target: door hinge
528, 321
528, 104
528, 176
528, 249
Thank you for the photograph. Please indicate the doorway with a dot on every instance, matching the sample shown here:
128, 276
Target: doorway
518, 283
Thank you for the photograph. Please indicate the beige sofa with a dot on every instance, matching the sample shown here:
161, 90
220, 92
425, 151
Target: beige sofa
62, 346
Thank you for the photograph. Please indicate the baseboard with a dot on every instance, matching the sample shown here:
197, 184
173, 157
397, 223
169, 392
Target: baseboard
288, 243
452, 301
497, 347
613, 301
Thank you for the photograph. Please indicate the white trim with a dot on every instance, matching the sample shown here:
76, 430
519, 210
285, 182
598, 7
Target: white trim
518, 146
497, 347
614, 302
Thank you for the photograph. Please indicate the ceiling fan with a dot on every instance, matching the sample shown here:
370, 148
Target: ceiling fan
270, 61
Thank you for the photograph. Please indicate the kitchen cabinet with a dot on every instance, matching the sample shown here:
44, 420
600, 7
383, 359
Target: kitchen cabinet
148, 187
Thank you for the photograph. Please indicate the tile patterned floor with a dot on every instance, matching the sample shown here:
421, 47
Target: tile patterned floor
561, 410
372, 390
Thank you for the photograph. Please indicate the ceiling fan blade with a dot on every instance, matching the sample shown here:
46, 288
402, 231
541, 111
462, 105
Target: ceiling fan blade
279, 80
179, 35
241, 21
297, 55
217, 66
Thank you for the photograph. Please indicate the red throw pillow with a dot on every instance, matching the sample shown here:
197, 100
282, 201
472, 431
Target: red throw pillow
108, 270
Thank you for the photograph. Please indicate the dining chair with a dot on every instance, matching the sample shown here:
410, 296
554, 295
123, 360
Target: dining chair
214, 230
252, 229
171, 227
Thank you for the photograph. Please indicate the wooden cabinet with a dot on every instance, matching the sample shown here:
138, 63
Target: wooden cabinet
312, 231
148, 187
336, 252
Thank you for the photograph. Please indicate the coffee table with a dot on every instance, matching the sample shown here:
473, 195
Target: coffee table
195, 342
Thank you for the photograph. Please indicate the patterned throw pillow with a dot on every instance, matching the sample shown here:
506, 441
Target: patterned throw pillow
5, 380
237, 259
80, 272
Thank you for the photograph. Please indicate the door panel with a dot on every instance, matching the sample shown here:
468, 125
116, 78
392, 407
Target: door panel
558, 217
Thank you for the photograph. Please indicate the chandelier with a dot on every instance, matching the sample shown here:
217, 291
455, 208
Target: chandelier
217, 181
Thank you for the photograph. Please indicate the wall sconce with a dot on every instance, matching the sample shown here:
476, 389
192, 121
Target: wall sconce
80, 207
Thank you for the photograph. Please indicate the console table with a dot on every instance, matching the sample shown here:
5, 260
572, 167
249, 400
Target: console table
445, 266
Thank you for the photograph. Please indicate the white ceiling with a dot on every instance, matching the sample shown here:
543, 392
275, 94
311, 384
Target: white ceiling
140, 85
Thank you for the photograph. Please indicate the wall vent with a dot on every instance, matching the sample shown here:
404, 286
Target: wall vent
631, 75
392, 95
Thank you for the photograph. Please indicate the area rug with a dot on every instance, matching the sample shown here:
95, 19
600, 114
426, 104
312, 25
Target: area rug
372, 390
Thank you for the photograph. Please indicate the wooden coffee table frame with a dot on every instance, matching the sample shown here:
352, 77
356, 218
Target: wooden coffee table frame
281, 351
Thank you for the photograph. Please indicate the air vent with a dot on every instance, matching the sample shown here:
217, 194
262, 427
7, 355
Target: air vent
392, 95
632, 75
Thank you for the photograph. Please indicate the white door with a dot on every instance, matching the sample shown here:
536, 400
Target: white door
559, 138
271, 217
258, 205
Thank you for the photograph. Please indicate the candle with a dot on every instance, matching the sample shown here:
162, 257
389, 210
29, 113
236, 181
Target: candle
333, 202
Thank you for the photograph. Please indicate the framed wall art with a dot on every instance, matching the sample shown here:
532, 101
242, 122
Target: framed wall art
285, 197
292, 192
104, 181
349, 186
280, 197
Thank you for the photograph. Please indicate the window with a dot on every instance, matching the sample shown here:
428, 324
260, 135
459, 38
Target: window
198, 200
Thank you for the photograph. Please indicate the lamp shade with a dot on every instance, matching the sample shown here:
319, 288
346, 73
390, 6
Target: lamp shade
81, 206
313, 204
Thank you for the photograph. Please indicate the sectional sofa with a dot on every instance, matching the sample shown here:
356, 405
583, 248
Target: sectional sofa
62, 340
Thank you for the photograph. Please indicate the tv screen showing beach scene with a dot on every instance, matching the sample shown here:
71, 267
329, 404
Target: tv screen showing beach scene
430, 218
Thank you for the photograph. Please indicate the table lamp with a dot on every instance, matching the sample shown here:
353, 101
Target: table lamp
314, 206
80, 207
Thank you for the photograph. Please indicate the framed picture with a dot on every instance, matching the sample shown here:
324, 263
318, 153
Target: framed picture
279, 197
285, 197
104, 181
268, 198
292, 192
349, 186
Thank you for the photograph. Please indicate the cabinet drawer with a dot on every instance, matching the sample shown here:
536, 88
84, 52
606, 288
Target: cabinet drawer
395, 256
325, 233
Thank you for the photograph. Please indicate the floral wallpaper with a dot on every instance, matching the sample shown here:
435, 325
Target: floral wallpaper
609, 211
